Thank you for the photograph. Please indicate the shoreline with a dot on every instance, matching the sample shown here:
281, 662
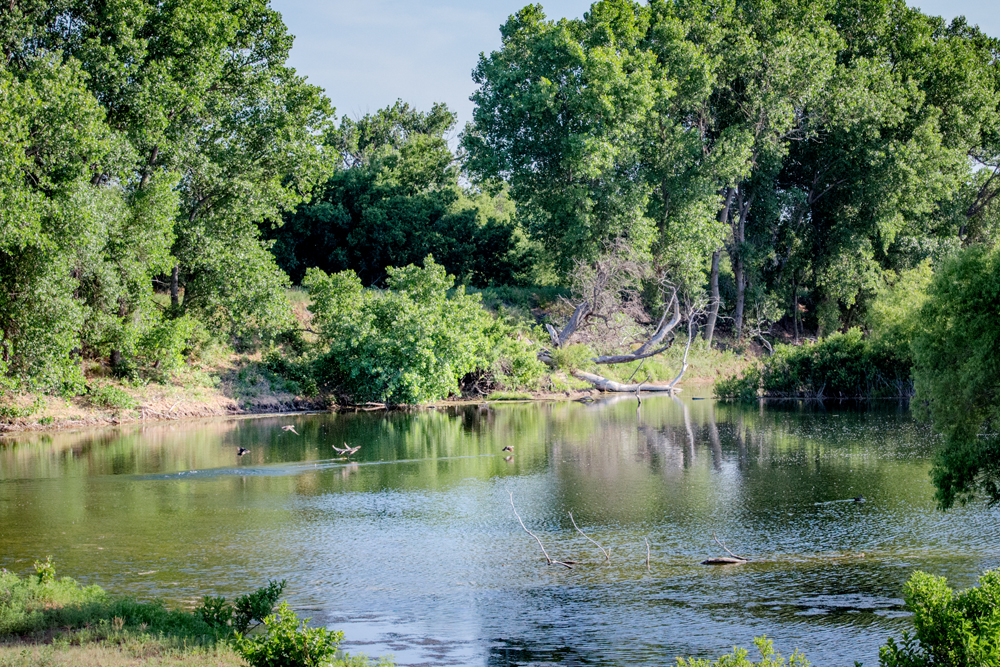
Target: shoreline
82, 417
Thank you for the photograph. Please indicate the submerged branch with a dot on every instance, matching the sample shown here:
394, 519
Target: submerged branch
547, 558
606, 556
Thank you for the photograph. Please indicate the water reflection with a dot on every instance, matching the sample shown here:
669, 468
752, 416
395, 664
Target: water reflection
411, 547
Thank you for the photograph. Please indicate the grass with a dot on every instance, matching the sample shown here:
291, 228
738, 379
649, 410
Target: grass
48, 621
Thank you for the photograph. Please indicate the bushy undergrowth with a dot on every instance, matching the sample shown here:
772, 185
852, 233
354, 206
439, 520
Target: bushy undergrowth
740, 658
842, 365
412, 342
957, 630
33, 605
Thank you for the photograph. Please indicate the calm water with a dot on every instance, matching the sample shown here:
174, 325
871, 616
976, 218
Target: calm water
413, 547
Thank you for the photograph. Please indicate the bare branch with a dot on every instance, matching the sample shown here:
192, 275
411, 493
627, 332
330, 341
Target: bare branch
606, 556
646, 349
547, 559
721, 544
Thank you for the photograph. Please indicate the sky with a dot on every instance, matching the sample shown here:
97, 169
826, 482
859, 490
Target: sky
368, 54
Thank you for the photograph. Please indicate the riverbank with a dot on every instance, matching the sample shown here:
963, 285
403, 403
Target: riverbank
50, 621
242, 385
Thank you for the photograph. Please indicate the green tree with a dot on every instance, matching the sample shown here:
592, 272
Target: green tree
957, 374
397, 200
560, 112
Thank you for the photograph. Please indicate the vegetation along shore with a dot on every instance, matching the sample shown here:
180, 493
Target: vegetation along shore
773, 198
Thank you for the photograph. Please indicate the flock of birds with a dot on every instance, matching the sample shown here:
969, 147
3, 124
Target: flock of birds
345, 452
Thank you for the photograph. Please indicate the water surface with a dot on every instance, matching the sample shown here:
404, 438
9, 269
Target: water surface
412, 546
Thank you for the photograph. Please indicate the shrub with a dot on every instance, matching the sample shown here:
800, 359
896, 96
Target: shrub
256, 606
112, 398
842, 365
738, 658
413, 342
46, 572
960, 630
289, 643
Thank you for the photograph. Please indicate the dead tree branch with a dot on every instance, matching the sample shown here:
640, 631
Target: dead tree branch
647, 554
723, 545
649, 349
568, 565
606, 556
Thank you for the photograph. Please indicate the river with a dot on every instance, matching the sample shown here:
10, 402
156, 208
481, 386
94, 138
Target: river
412, 546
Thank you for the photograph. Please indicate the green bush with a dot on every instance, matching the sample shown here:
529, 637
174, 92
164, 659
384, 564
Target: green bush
289, 643
738, 658
743, 386
842, 365
953, 630
413, 342
111, 397
46, 572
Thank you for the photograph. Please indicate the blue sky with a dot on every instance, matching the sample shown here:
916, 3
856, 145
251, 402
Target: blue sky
367, 54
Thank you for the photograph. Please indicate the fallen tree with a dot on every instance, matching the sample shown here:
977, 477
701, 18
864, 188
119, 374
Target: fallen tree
606, 290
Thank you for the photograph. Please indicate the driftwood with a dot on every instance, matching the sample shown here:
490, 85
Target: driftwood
604, 384
647, 554
734, 560
723, 561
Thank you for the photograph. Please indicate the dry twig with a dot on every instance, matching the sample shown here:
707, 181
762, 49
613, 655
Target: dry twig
647, 554
548, 560
606, 556
721, 544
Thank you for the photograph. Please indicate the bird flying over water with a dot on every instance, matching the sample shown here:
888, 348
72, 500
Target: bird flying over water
508, 448
240, 451
291, 428
346, 451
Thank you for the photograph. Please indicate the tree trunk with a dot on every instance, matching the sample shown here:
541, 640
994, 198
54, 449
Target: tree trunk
795, 310
603, 384
174, 287
713, 308
740, 296
739, 265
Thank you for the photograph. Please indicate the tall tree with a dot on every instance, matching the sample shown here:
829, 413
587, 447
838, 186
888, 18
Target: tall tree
397, 199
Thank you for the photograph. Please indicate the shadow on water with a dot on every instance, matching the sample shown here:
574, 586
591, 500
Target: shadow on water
412, 548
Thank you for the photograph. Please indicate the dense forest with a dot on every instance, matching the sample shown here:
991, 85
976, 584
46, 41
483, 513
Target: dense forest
813, 181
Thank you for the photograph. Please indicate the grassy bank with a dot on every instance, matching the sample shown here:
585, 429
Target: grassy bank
49, 621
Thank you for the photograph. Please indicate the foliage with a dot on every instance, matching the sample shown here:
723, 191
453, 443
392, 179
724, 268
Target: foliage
738, 658
46, 572
397, 200
810, 146
142, 144
842, 365
412, 342
69, 613
30, 605
111, 397
957, 374
256, 606
959, 630
288, 642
